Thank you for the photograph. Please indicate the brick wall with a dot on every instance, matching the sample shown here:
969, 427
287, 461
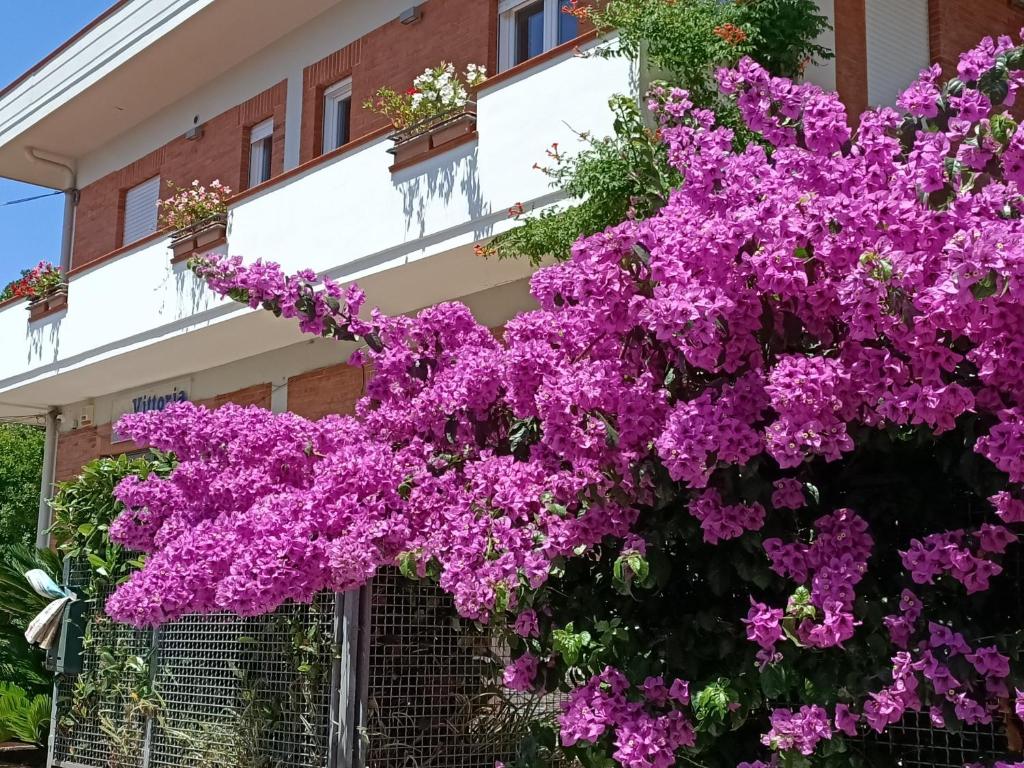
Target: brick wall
955, 26
221, 153
459, 31
80, 446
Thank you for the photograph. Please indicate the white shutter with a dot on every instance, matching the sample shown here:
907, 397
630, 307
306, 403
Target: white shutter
897, 46
140, 210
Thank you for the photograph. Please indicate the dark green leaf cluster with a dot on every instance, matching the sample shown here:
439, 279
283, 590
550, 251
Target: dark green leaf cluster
683, 42
678, 610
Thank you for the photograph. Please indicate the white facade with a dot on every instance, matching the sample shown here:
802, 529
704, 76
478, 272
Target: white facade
406, 237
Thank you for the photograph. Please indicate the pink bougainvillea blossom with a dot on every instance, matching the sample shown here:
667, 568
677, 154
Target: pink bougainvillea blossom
795, 300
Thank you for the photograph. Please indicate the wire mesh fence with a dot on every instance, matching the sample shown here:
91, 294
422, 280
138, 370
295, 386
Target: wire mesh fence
434, 693
915, 743
98, 725
221, 691
257, 692
245, 691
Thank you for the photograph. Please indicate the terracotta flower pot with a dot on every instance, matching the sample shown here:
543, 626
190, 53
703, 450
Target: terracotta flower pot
453, 130
412, 148
182, 247
201, 236
57, 300
435, 133
211, 234
36, 310
53, 302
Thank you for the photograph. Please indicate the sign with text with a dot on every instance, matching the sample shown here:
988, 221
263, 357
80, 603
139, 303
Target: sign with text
156, 399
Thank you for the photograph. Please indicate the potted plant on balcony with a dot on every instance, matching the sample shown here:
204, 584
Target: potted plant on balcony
437, 110
198, 215
44, 287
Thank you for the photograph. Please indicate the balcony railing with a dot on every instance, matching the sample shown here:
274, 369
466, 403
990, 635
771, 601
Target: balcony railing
406, 236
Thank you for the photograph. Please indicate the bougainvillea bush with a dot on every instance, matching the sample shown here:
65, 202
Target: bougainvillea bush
747, 485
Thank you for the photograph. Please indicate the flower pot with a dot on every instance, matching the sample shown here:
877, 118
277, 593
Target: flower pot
416, 141
412, 148
57, 300
182, 247
200, 236
453, 130
213, 233
48, 304
36, 310
18, 755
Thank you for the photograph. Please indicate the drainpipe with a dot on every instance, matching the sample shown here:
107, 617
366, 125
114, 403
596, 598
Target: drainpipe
66, 168
46, 487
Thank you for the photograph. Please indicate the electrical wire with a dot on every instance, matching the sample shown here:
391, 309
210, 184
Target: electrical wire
30, 199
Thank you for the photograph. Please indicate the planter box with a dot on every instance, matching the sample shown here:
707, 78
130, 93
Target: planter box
423, 138
48, 304
182, 247
410, 149
202, 235
453, 130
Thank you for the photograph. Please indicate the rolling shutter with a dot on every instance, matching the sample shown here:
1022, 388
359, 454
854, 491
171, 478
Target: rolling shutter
897, 46
140, 211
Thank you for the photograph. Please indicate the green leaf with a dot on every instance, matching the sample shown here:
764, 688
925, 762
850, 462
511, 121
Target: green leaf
987, 286
569, 644
712, 702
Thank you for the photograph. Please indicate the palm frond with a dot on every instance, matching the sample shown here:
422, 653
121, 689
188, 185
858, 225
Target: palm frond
22, 717
18, 600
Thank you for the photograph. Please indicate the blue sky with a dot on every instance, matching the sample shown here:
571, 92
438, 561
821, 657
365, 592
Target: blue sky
30, 232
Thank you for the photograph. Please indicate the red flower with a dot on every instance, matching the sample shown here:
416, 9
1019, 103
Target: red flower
412, 91
577, 8
732, 34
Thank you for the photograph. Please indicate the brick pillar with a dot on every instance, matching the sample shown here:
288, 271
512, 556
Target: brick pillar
851, 56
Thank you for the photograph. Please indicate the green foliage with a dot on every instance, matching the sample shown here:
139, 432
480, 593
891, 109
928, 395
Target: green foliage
688, 39
115, 690
21, 462
23, 717
85, 507
627, 174
19, 604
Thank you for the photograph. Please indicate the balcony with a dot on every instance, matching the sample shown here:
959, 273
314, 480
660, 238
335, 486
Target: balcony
407, 237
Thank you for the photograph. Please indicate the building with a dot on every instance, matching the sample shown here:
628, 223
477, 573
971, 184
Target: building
265, 96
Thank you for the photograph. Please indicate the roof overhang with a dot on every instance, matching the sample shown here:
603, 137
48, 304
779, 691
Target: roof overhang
134, 60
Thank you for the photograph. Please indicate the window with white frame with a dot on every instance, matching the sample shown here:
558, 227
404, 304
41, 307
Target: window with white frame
337, 115
140, 210
530, 27
261, 144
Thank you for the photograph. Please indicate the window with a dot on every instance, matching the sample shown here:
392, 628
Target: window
530, 27
261, 145
140, 210
337, 115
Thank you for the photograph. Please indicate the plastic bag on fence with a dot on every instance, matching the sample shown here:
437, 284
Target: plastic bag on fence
44, 629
